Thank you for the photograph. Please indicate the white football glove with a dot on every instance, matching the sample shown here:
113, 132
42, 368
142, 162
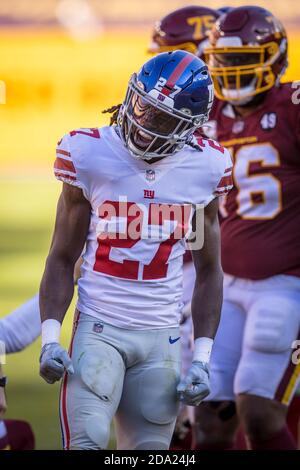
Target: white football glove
195, 386
54, 360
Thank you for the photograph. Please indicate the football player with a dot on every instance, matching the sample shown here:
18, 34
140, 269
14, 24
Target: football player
130, 193
258, 119
223, 411
185, 29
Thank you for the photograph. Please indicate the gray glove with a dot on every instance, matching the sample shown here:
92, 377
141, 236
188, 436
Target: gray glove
54, 360
195, 386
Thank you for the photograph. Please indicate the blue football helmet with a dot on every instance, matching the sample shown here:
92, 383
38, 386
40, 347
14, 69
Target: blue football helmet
166, 101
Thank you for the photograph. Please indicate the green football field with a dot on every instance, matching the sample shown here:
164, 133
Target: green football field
27, 210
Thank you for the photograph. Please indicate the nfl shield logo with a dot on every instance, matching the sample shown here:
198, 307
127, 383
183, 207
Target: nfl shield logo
98, 327
150, 175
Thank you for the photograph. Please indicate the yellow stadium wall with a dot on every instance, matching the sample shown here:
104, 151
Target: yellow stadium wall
55, 84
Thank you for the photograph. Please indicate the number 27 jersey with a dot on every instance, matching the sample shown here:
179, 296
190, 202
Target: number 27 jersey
141, 214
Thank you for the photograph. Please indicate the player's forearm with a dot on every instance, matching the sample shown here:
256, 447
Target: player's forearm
207, 302
57, 288
22, 326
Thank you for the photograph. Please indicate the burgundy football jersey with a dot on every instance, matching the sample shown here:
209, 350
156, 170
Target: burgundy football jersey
261, 215
19, 436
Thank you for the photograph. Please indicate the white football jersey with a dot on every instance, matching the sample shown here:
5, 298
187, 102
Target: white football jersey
140, 217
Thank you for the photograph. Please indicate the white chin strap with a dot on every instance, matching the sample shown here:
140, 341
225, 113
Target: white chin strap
242, 96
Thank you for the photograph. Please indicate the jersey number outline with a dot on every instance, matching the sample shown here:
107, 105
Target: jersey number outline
90, 132
264, 187
130, 269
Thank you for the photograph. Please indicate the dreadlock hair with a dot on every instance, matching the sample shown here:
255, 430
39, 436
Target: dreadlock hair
114, 111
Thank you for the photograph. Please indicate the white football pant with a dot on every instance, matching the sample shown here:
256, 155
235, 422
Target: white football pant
129, 375
254, 352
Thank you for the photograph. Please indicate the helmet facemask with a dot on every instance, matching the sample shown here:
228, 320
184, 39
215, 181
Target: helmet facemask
151, 129
241, 73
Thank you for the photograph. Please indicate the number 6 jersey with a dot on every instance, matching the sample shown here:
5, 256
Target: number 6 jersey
140, 217
260, 231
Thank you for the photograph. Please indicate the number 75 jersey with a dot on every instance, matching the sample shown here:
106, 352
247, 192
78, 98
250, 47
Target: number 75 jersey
140, 218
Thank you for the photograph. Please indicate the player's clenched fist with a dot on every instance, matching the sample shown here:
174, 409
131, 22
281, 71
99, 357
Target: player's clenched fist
195, 386
54, 361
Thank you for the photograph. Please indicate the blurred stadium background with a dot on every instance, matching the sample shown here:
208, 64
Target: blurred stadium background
62, 62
